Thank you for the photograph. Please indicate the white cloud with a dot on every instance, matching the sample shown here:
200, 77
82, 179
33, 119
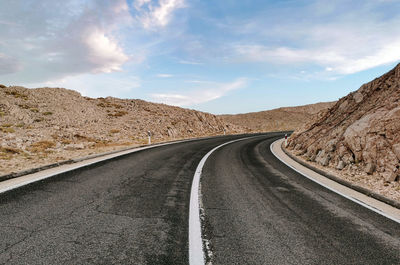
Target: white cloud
339, 37
389, 53
101, 85
104, 52
189, 62
50, 40
335, 60
201, 95
157, 16
164, 75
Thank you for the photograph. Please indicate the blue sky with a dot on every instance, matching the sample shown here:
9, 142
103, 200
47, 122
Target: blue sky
216, 56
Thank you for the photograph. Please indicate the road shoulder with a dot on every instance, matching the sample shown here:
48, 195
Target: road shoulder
378, 206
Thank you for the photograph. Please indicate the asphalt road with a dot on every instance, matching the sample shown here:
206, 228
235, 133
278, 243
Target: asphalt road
134, 210
131, 210
259, 211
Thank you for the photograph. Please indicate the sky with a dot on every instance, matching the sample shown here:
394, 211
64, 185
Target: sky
218, 56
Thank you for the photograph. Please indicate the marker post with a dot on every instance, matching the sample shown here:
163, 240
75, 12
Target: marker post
149, 135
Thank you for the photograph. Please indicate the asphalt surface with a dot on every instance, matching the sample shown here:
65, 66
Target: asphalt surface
259, 211
134, 210
131, 210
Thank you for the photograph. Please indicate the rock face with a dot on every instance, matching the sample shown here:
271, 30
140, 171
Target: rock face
361, 132
44, 125
282, 119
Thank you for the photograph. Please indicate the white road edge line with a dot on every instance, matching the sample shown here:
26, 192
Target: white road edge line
42, 174
334, 190
196, 253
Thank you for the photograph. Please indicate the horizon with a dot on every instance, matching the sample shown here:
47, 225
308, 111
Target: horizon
220, 58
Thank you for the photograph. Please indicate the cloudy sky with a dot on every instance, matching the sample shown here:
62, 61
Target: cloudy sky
219, 56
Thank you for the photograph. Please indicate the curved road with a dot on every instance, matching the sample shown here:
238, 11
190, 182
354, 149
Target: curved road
259, 211
134, 210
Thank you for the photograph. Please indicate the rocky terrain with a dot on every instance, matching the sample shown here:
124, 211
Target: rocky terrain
359, 137
282, 119
45, 125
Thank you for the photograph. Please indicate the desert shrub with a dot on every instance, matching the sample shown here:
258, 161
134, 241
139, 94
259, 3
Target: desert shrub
24, 106
47, 113
7, 130
10, 150
16, 94
66, 141
6, 125
117, 106
20, 125
118, 114
34, 110
41, 146
114, 131
2, 113
38, 119
101, 143
84, 138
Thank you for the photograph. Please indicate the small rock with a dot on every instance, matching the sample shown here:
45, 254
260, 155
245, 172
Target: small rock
358, 97
320, 156
393, 176
340, 165
325, 160
297, 147
396, 150
331, 145
74, 147
370, 168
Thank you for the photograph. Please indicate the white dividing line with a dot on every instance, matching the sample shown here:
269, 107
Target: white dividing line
196, 253
336, 191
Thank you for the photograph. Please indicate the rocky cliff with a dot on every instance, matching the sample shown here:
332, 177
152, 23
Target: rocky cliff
360, 134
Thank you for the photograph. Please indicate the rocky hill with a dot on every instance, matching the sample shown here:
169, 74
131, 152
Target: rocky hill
359, 135
44, 125
282, 119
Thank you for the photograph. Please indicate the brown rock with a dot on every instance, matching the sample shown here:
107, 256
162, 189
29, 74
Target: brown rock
324, 161
370, 168
396, 150
340, 165
393, 176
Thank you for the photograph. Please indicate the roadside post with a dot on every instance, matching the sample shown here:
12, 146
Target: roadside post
224, 131
285, 139
149, 135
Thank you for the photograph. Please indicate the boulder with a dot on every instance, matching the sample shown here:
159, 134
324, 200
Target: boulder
370, 168
393, 176
340, 165
324, 161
